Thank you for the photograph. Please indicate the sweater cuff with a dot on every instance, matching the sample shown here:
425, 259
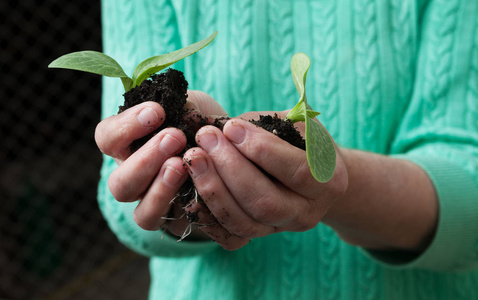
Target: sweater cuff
455, 244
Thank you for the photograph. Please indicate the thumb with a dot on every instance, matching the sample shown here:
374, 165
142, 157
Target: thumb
204, 104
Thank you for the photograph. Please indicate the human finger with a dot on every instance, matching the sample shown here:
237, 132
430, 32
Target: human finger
285, 162
156, 202
266, 200
204, 103
132, 178
217, 196
115, 134
206, 222
252, 190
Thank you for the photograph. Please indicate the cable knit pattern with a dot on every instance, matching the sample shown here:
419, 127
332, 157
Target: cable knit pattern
204, 60
330, 264
437, 74
241, 52
127, 36
281, 32
472, 96
367, 70
462, 288
164, 31
291, 247
253, 269
367, 67
401, 20
427, 283
369, 278
325, 68
384, 75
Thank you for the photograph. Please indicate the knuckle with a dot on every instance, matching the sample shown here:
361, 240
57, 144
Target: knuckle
260, 149
101, 138
114, 188
307, 217
123, 132
302, 177
144, 160
118, 188
245, 231
145, 222
267, 210
110, 141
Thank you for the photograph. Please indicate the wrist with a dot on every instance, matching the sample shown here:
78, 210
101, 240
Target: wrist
389, 204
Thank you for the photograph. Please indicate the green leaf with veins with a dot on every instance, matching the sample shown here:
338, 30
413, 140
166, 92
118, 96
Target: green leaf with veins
319, 145
156, 63
93, 62
102, 64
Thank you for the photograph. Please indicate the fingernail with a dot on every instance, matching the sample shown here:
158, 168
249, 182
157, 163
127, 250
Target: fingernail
207, 140
169, 145
172, 176
197, 165
148, 117
235, 133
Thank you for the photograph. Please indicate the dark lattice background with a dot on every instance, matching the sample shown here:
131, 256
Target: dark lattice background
54, 243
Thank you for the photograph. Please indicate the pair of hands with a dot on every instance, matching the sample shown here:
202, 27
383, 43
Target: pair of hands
227, 170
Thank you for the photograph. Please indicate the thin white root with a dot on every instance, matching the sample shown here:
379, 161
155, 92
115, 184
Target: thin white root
186, 232
196, 195
185, 194
172, 200
189, 229
164, 228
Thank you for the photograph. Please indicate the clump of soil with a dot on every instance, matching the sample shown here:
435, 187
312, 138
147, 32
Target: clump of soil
169, 89
282, 128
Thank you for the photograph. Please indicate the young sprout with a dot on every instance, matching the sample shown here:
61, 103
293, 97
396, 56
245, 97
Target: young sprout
319, 146
102, 64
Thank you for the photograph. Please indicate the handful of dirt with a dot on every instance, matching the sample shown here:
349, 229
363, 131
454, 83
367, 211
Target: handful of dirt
169, 89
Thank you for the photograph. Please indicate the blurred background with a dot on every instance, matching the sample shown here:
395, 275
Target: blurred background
54, 243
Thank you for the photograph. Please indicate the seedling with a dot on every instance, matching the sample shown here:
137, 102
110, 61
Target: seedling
319, 146
102, 64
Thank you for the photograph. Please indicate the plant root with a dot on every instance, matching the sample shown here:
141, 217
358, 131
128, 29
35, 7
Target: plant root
192, 217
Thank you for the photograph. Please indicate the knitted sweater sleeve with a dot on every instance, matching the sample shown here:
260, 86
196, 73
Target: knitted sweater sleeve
440, 133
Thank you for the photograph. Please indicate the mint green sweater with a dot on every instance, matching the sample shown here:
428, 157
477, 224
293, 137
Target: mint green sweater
398, 77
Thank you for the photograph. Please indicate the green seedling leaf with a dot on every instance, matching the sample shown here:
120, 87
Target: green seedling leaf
156, 63
319, 145
93, 62
312, 113
102, 64
320, 151
299, 66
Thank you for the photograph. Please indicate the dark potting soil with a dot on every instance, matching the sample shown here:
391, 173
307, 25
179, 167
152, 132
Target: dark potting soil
169, 89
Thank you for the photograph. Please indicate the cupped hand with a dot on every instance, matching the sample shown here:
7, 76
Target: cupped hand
256, 184
154, 173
